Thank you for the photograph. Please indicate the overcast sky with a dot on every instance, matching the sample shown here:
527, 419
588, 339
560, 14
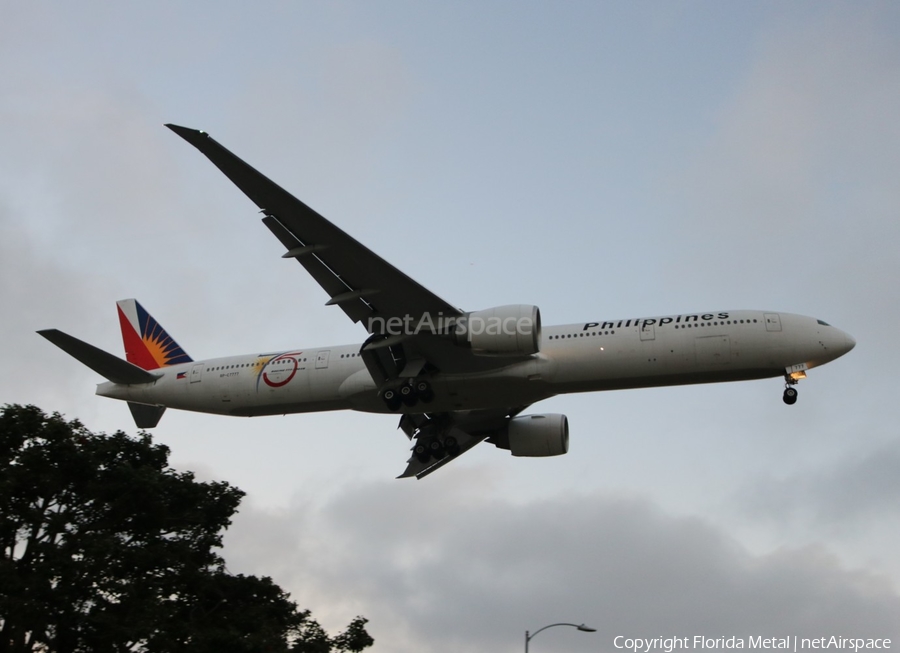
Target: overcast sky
599, 160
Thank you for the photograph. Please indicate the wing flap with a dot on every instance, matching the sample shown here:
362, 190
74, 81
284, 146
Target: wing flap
323, 275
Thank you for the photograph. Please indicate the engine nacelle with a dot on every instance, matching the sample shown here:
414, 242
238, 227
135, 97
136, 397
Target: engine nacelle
501, 331
538, 435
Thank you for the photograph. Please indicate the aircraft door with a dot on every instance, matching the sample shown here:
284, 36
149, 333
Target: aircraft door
322, 359
197, 372
773, 321
648, 332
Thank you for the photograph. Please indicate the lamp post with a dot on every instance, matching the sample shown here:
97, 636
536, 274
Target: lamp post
581, 627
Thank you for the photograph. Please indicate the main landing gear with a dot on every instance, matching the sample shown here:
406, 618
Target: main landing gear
408, 394
436, 440
435, 447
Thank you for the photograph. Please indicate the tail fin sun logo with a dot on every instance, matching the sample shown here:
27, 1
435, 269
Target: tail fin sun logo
147, 344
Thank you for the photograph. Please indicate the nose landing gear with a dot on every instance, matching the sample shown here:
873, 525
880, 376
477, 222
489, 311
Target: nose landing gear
792, 376
790, 395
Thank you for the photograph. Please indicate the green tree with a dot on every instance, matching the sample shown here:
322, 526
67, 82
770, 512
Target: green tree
104, 547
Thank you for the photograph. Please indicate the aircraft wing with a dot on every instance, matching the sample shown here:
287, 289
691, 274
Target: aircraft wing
362, 283
366, 287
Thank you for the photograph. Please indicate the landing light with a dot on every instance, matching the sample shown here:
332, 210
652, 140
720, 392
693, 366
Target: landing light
796, 376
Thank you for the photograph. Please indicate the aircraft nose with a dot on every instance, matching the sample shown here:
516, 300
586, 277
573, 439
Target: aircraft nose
849, 341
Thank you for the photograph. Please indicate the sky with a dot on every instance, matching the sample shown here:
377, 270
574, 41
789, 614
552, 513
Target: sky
597, 159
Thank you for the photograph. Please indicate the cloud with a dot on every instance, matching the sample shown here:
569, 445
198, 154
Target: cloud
851, 503
863, 487
454, 565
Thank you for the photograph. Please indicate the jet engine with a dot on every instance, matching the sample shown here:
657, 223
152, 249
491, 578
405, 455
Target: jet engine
538, 435
513, 330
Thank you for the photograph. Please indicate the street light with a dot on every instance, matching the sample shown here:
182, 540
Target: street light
581, 627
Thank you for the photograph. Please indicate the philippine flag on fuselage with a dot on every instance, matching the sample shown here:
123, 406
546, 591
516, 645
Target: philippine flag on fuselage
181, 375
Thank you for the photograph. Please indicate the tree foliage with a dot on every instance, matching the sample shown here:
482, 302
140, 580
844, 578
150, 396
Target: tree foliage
104, 547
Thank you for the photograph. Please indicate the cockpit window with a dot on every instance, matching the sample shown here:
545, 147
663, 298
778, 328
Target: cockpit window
823, 322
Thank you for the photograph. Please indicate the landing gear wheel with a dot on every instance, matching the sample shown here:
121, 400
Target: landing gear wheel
429, 448
423, 389
408, 395
421, 452
392, 399
436, 449
451, 445
790, 396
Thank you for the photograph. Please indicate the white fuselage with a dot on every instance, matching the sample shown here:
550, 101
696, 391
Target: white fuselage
584, 357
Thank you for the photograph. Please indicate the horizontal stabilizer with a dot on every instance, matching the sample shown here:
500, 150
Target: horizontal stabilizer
146, 416
103, 363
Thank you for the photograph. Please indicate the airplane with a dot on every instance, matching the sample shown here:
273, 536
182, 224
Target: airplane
455, 378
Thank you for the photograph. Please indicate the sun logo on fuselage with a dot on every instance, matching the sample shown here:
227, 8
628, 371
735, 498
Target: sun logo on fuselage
278, 370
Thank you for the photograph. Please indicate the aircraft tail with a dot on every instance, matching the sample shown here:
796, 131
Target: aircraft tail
147, 344
114, 369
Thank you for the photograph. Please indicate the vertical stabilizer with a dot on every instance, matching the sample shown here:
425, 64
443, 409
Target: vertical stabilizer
147, 344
